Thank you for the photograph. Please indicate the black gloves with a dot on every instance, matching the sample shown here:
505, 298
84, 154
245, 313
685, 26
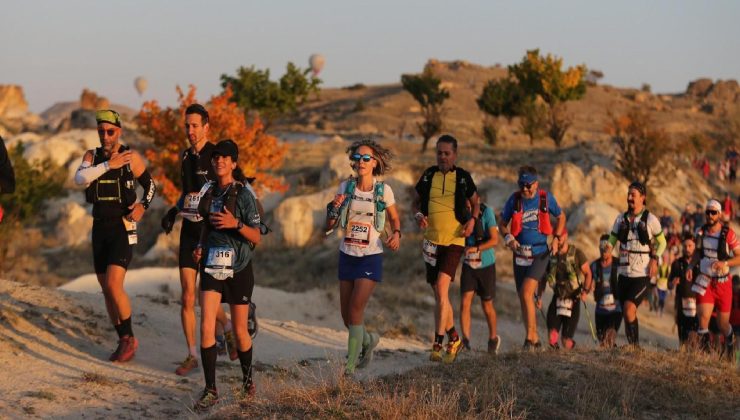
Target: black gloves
168, 221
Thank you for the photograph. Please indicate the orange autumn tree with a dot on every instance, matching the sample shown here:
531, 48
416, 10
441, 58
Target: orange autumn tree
259, 153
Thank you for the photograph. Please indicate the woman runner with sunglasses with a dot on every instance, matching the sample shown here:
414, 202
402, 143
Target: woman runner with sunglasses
228, 238
360, 208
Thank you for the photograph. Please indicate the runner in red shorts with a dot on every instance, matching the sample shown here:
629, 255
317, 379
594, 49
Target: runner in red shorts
712, 285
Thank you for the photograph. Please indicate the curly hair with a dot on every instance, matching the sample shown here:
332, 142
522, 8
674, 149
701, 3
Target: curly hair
380, 153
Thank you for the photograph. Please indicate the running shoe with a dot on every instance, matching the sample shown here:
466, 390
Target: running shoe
114, 356
530, 346
453, 348
208, 399
231, 345
252, 325
366, 356
248, 390
436, 355
221, 345
494, 344
187, 365
466, 344
610, 341
128, 349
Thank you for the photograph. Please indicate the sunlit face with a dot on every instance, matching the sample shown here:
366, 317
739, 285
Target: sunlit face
364, 161
712, 216
635, 199
223, 165
529, 190
197, 131
109, 135
446, 156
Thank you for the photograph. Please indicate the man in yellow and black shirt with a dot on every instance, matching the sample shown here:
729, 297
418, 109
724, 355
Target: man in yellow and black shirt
444, 194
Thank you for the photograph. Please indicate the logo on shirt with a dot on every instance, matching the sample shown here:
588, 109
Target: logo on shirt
367, 273
529, 216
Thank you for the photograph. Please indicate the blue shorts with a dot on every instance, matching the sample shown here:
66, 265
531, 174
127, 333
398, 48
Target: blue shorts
536, 271
367, 267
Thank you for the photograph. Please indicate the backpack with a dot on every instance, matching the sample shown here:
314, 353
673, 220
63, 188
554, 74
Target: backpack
565, 288
378, 214
543, 215
722, 253
642, 231
424, 187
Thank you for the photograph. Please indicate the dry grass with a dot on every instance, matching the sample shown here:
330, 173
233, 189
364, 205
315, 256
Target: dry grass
579, 384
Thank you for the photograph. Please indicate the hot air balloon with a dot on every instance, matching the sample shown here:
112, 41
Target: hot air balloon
316, 61
140, 84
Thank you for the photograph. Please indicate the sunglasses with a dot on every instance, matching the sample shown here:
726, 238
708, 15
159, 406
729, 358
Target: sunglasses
110, 132
711, 212
526, 186
365, 158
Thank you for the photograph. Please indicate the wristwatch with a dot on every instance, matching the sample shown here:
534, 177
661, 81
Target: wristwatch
399, 232
239, 225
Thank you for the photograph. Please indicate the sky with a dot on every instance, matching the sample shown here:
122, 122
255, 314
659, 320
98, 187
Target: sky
56, 48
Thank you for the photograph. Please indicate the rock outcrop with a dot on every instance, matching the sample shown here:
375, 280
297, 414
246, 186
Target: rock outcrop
12, 101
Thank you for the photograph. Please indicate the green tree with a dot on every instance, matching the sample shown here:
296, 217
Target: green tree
534, 119
500, 98
253, 91
536, 78
36, 182
427, 91
641, 148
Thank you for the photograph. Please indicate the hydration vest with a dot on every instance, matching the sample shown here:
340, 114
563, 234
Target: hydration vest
116, 186
565, 288
543, 215
379, 208
642, 231
598, 273
462, 215
722, 254
196, 169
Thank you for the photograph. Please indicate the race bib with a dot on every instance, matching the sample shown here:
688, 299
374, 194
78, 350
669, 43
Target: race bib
624, 256
219, 263
700, 284
473, 259
688, 306
429, 251
357, 234
523, 256
564, 307
190, 207
133, 237
607, 300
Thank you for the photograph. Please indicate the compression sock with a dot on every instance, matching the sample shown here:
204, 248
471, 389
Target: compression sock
354, 346
365, 337
245, 360
208, 358
704, 340
439, 338
452, 334
119, 330
126, 327
632, 331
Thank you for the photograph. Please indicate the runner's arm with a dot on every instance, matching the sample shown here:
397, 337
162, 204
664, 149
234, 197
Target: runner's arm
87, 172
588, 280
492, 241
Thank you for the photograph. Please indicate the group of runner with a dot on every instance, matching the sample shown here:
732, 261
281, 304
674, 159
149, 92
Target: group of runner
222, 225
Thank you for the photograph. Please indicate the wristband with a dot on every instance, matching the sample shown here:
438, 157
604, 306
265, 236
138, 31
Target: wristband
106, 165
399, 232
508, 238
239, 225
418, 215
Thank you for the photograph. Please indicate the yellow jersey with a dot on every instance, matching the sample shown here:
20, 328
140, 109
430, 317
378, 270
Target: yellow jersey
443, 229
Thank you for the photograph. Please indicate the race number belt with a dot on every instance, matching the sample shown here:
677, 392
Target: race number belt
220, 263
429, 251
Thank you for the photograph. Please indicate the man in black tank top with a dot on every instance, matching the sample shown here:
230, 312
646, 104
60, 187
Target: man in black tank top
110, 172
196, 171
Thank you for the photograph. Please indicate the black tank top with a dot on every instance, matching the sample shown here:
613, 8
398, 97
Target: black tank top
196, 169
113, 192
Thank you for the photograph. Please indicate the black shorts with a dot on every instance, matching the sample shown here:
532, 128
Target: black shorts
110, 245
633, 289
448, 258
480, 280
236, 290
605, 321
189, 238
568, 324
536, 271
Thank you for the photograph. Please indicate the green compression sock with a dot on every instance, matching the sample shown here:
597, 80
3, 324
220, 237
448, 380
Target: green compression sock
354, 346
365, 337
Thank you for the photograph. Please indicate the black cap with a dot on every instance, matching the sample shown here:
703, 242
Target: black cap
226, 148
639, 186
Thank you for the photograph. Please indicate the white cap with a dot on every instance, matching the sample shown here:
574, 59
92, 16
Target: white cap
713, 205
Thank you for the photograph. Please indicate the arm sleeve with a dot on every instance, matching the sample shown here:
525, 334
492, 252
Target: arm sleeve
88, 173
654, 226
661, 244
146, 181
7, 176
